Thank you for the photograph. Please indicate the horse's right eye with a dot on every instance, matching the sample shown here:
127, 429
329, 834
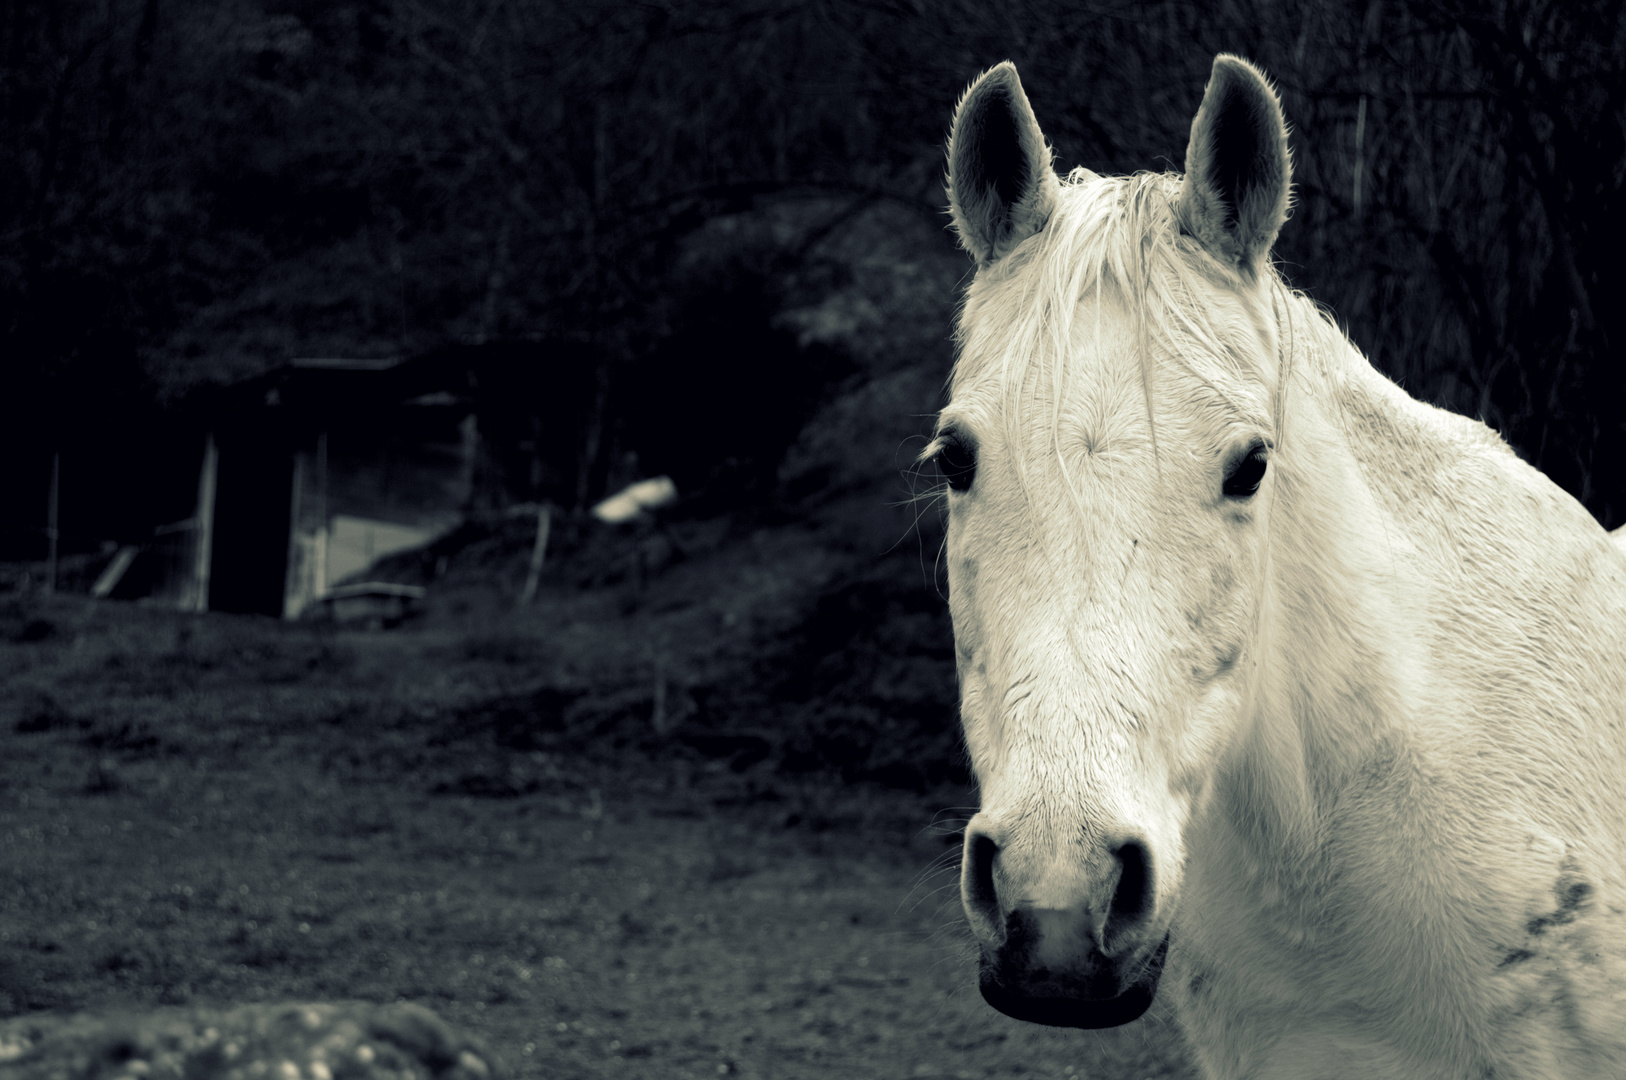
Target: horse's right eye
957, 462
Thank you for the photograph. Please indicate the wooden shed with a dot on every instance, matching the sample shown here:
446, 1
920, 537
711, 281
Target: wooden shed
306, 475
301, 477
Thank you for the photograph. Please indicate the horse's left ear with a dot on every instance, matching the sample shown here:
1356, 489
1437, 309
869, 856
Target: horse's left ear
1002, 188
1238, 176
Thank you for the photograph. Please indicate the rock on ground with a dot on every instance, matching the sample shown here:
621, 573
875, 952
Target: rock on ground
346, 1041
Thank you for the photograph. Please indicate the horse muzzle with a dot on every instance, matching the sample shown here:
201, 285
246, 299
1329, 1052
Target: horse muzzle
1086, 990
1075, 948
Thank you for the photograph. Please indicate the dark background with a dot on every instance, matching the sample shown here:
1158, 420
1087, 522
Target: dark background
193, 191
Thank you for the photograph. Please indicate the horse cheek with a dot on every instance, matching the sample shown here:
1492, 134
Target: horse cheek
982, 737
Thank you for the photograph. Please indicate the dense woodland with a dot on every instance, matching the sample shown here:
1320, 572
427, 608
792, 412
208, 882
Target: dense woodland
192, 191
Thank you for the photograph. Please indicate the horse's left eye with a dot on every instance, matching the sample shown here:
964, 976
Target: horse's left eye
1243, 479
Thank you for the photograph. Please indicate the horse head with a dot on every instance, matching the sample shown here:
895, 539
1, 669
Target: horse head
1107, 449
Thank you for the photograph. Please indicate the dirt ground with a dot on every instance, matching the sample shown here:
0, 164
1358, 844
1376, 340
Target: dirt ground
476, 813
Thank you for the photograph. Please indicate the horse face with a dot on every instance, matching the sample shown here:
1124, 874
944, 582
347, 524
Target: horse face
1105, 565
1107, 491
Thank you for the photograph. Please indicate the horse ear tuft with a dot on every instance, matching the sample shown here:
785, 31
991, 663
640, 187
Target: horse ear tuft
1001, 185
1238, 175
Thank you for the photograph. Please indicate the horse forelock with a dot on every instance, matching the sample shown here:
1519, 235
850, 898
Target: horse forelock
1116, 240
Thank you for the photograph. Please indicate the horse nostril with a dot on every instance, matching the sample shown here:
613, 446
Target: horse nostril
1132, 900
977, 885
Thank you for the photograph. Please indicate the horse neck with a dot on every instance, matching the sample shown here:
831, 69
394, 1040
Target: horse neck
1332, 662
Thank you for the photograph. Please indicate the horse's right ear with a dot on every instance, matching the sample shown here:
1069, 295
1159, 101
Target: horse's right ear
1238, 175
1001, 186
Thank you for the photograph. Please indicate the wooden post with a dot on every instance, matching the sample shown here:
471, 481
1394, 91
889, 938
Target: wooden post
320, 588
205, 530
51, 530
539, 550
294, 577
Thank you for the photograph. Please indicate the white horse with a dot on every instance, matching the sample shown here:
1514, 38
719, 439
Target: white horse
1292, 699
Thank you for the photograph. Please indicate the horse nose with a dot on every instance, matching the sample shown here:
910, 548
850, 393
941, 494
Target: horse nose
1111, 916
1065, 939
